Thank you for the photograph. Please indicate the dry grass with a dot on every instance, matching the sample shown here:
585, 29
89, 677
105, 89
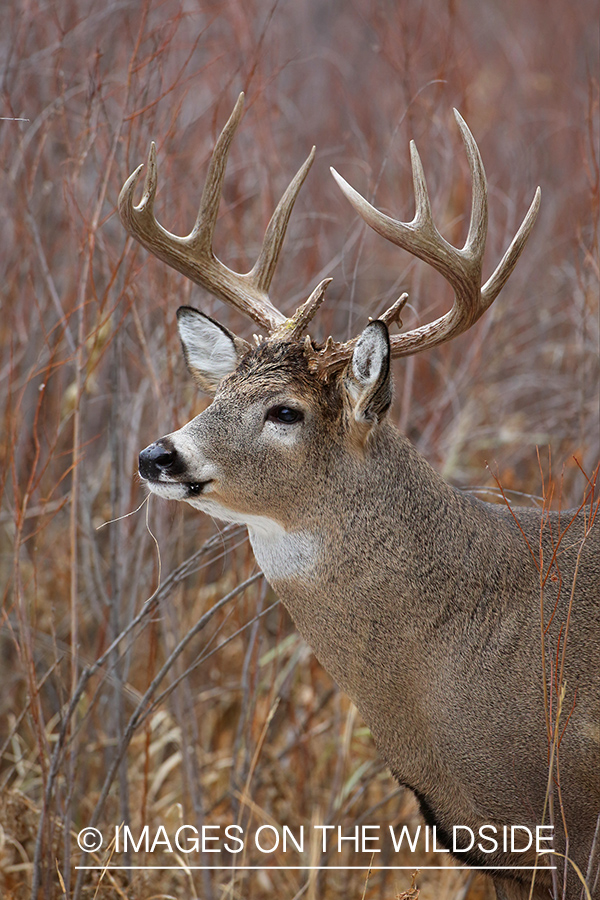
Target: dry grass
244, 726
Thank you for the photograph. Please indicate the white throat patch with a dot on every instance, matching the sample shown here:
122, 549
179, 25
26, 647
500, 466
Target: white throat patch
282, 555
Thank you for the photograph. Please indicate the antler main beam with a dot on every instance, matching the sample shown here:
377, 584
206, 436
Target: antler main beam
460, 267
193, 255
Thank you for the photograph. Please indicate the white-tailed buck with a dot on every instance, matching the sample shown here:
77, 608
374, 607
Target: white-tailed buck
422, 601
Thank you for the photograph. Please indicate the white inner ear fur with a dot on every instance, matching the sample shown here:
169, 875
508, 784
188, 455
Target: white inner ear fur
367, 362
208, 348
369, 357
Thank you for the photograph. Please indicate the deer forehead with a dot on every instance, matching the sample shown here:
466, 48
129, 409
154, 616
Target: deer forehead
275, 372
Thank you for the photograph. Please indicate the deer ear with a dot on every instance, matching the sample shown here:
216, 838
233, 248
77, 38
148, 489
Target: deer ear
367, 378
211, 351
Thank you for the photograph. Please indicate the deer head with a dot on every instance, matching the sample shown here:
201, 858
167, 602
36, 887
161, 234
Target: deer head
291, 392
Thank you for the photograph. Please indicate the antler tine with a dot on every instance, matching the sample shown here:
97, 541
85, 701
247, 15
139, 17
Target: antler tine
460, 267
294, 327
479, 214
202, 233
502, 272
478, 225
193, 255
264, 268
423, 218
129, 214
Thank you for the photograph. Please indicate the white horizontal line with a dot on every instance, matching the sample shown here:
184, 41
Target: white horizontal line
322, 868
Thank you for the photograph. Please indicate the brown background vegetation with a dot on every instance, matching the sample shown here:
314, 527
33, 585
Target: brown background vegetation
91, 372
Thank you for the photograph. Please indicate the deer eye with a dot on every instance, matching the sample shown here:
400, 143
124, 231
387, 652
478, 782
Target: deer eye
284, 414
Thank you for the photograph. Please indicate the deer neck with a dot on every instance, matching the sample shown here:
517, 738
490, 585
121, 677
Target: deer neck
385, 514
366, 582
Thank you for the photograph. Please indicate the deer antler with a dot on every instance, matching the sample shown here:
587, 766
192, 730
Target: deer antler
193, 255
460, 267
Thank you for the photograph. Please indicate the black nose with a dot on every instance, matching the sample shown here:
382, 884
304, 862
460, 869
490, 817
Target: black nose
156, 459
